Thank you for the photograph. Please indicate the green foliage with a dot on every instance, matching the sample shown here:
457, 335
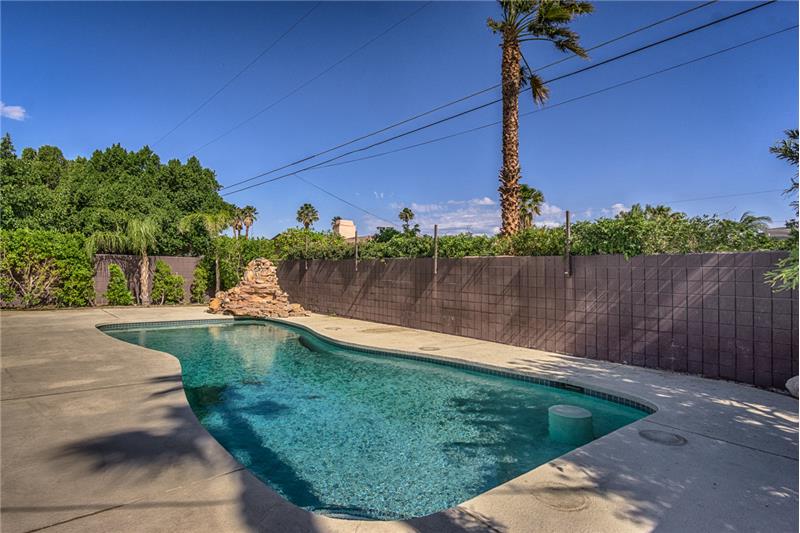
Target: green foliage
167, 287
385, 234
539, 241
117, 292
44, 268
199, 284
234, 254
403, 245
530, 204
785, 276
44, 190
541, 20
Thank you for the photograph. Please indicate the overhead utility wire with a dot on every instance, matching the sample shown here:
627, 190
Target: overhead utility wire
564, 102
329, 193
467, 97
487, 104
236, 76
685, 63
309, 81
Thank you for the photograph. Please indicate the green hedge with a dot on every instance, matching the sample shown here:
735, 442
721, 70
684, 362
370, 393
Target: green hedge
44, 268
117, 292
167, 287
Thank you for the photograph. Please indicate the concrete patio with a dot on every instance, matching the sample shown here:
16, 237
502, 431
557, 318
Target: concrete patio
97, 436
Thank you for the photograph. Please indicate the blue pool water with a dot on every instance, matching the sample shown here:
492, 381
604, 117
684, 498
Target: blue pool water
347, 433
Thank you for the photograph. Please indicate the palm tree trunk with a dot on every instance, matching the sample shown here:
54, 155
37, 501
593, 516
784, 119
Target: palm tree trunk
246, 232
510, 173
216, 273
144, 280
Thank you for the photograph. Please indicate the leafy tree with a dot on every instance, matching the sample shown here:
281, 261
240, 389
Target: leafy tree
212, 224
334, 220
306, 215
527, 20
167, 287
7, 150
117, 292
44, 190
385, 234
531, 200
140, 238
199, 284
249, 215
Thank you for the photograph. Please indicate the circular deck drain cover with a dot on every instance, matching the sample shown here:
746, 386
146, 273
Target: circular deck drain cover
662, 437
429, 348
561, 497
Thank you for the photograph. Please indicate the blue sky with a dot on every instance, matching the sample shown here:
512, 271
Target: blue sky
87, 75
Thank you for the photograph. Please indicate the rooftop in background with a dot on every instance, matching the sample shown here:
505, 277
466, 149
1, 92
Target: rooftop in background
780, 234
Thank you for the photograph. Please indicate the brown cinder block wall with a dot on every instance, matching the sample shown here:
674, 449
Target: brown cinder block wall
707, 314
183, 266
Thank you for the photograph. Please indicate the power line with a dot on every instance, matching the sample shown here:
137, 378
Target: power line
236, 76
564, 102
329, 193
487, 104
472, 95
309, 81
627, 82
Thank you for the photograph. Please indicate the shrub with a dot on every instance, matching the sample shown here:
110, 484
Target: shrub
117, 292
167, 287
199, 284
44, 268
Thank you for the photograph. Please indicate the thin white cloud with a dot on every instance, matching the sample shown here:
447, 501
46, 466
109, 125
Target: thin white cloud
619, 208
14, 112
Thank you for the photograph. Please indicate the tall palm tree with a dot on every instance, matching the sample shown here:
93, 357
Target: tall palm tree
237, 222
531, 200
406, 216
334, 220
213, 224
753, 222
139, 237
527, 20
307, 215
249, 215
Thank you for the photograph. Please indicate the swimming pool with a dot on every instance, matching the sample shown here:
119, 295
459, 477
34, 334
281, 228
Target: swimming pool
352, 433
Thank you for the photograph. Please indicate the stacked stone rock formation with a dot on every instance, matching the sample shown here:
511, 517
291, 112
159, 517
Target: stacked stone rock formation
257, 295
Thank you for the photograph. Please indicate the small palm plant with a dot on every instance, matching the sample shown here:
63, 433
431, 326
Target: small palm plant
531, 200
213, 224
752, 222
249, 215
307, 215
334, 221
522, 21
139, 237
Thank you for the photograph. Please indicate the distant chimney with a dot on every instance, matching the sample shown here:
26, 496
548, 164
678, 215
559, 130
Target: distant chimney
345, 228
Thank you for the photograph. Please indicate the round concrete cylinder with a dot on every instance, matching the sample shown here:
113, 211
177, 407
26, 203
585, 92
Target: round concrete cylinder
570, 424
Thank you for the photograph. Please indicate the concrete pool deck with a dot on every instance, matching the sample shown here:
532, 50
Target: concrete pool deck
97, 436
